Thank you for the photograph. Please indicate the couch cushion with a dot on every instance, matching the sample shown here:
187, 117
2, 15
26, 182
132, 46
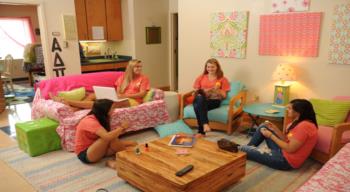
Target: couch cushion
69, 82
325, 136
173, 128
235, 88
344, 98
330, 112
218, 114
75, 94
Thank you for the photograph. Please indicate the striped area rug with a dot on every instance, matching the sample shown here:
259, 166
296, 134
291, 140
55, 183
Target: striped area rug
62, 171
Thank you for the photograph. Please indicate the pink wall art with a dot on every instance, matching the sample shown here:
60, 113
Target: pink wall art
339, 49
290, 34
290, 5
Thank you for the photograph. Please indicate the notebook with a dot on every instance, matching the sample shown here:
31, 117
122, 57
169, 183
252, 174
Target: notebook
106, 93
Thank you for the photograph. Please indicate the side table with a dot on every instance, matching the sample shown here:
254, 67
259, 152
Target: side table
258, 110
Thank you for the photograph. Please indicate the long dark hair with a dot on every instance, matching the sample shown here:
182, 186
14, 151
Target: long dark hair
100, 109
305, 110
219, 72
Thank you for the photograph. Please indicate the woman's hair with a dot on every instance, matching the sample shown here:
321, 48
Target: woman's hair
129, 74
219, 72
100, 109
305, 110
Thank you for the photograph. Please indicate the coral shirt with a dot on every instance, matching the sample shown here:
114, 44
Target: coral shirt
138, 84
203, 82
86, 133
306, 133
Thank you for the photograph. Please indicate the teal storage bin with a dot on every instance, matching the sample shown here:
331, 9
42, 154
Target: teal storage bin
38, 137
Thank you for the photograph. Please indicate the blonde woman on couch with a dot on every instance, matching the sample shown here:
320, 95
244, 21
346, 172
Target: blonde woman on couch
94, 140
132, 84
289, 150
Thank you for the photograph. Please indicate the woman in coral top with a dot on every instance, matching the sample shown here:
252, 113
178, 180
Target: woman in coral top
94, 139
210, 88
288, 150
133, 84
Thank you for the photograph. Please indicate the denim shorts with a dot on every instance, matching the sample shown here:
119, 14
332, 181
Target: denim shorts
83, 156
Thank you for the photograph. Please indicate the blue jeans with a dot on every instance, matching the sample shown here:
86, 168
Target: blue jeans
274, 159
201, 106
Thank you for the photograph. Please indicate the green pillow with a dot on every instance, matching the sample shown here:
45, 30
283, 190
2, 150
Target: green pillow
330, 112
149, 96
74, 94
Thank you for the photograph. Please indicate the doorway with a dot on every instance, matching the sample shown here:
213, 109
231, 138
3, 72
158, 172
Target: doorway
174, 53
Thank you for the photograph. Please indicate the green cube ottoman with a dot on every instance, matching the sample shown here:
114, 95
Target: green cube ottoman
38, 137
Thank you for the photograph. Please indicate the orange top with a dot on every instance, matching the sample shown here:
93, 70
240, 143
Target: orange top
141, 83
305, 132
86, 133
203, 82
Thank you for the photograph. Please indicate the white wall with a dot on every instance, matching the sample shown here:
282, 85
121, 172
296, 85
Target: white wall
127, 45
154, 56
315, 77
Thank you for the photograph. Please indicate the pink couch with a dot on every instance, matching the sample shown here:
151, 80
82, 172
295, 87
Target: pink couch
333, 176
143, 116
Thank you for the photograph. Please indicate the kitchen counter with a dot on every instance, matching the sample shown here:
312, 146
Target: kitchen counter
99, 63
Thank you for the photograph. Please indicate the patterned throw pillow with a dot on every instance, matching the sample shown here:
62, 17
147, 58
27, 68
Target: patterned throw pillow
330, 112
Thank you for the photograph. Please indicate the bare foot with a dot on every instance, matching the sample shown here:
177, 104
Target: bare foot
206, 128
111, 163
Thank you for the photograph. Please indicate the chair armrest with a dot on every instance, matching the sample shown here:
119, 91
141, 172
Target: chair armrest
241, 96
337, 134
182, 102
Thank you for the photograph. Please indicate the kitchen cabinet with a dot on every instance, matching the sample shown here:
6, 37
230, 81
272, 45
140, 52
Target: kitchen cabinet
94, 15
103, 66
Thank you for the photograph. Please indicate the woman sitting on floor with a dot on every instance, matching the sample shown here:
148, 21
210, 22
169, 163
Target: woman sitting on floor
288, 150
94, 140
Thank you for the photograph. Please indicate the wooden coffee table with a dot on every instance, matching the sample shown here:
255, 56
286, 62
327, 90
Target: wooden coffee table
214, 169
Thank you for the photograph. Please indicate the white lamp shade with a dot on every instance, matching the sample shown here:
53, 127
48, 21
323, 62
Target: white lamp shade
284, 72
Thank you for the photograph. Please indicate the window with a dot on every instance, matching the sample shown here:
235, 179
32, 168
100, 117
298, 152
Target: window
15, 34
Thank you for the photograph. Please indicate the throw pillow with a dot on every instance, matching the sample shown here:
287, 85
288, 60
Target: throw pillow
149, 96
235, 88
74, 94
173, 128
330, 112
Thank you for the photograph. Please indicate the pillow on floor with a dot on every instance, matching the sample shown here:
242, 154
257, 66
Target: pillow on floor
173, 128
330, 112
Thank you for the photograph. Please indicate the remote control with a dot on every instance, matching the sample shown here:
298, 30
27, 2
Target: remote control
184, 170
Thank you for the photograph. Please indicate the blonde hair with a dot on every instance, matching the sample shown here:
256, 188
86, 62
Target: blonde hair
129, 74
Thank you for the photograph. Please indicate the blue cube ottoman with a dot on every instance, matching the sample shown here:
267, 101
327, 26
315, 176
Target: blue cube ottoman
38, 137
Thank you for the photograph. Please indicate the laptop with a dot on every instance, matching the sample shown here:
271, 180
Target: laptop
106, 93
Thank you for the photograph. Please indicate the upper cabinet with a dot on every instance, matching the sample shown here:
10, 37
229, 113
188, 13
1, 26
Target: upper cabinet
99, 19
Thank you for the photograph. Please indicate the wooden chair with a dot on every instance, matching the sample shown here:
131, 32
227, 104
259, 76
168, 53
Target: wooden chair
233, 110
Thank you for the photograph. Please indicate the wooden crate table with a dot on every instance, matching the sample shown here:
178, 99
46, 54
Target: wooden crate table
214, 169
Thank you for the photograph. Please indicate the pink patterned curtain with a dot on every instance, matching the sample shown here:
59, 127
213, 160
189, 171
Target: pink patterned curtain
15, 34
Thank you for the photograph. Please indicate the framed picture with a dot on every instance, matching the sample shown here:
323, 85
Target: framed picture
153, 35
281, 96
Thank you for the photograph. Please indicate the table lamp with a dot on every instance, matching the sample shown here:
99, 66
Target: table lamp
284, 74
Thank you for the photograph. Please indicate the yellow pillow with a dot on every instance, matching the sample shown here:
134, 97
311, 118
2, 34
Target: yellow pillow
133, 102
74, 94
149, 96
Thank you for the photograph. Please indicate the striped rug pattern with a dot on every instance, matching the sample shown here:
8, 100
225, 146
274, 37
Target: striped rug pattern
62, 171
